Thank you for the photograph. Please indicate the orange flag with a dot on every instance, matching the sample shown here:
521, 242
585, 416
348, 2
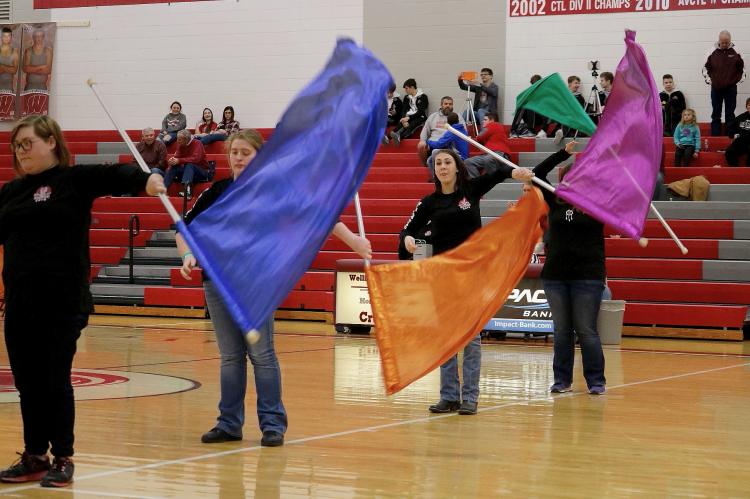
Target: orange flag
426, 311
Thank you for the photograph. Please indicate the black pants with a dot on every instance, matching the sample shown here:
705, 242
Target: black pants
737, 148
727, 97
414, 123
41, 354
683, 155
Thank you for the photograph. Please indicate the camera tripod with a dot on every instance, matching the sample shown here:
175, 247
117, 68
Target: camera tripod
593, 104
469, 111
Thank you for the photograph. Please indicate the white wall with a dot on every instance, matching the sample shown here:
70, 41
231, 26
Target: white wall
252, 54
434, 40
675, 43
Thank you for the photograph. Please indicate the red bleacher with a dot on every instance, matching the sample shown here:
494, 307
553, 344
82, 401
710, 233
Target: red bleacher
661, 285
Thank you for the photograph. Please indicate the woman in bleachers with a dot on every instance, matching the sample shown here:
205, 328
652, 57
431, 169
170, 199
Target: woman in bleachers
453, 214
226, 127
574, 280
172, 123
206, 126
45, 215
242, 148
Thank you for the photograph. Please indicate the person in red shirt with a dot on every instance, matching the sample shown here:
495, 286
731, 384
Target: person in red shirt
188, 164
494, 137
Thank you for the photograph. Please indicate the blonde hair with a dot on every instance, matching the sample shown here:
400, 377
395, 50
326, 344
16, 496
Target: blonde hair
249, 135
44, 128
692, 121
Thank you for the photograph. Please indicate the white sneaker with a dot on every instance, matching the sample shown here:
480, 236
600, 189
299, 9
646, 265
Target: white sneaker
558, 136
541, 135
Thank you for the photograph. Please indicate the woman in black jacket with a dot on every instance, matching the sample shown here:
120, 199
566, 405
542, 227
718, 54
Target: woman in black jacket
45, 216
574, 279
448, 217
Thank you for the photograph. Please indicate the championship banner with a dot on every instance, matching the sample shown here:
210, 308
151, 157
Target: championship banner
36, 68
10, 58
64, 4
537, 8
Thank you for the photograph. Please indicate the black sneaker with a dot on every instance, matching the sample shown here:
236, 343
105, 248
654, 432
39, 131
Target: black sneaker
272, 439
61, 474
217, 435
27, 468
445, 406
467, 408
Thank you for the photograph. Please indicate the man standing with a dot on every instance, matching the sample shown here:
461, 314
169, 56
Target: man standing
434, 127
724, 68
153, 151
485, 95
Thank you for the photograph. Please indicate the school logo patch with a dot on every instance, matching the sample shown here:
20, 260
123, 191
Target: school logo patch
43, 193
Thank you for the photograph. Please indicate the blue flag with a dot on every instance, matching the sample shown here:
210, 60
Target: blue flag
258, 239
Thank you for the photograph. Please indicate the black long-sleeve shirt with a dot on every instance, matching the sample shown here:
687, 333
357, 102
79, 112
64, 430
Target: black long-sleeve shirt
451, 218
44, 225
575, 241
741, 126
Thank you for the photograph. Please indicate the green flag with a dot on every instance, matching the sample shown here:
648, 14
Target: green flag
550, 97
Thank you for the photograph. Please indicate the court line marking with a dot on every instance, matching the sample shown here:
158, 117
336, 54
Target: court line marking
100, 493
298, 441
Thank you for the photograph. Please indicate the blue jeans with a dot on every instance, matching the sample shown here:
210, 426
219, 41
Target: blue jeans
212, 137
172, 137
478, 114
728, 97
450, 387
234, 352
188, 174
575, 307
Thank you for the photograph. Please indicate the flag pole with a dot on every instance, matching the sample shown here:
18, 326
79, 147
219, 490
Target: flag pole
139, 159
495, 155
360, 222
643, 242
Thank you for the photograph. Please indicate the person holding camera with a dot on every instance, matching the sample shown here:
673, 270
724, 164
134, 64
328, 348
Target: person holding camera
485, 95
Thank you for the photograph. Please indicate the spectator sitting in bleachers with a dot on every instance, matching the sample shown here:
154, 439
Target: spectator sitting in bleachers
448, 141
485, 95
527, 123
434, 128
395, 110
672, 105
172, 123
415, 111
188, 164
687, 138
606, 79
739, 130
494, 138
205, 126
226, 127
153, 152
574, 85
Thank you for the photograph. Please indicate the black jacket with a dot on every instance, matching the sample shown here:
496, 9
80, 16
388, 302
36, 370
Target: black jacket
44, 225
672, 106
725, 67
741, 126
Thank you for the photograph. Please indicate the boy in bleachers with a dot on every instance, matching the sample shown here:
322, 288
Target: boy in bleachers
672, 105
415, 111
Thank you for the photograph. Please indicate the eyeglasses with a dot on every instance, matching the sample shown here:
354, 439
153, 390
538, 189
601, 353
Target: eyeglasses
24, 145
484, 74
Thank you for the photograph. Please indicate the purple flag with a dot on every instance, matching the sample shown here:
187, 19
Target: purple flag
613, 178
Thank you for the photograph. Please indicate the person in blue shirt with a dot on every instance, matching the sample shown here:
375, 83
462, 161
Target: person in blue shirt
687, 138
448, 141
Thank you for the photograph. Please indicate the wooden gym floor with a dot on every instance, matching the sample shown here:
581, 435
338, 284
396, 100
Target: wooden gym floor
674, 422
